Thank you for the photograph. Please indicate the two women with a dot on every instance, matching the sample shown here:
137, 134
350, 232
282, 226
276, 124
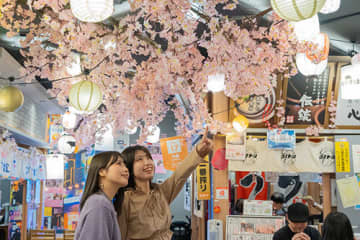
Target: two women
143, 211
146, 208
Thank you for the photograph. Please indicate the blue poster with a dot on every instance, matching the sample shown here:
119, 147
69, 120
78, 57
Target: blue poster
281, 139
357, 207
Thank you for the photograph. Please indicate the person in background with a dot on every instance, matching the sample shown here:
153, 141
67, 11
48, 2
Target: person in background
297, 228
146, 211
239, 207
107, 176
311, 202
278, 200
337, 226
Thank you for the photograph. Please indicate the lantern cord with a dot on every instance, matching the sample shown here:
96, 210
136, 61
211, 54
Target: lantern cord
85, 72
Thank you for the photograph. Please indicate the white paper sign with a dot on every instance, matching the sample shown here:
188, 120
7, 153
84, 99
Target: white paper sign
222, 193
187, 195
235, 147
258, 208
347, 111
349, 191
356, 158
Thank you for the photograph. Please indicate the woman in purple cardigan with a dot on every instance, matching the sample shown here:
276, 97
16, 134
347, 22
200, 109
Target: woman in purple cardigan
107, 176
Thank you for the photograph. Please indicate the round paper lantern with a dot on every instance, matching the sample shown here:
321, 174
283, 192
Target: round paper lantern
305, 62
307, 29
55, 166
154, 135
75, 68
85, 96
350, 79
66, 144
216, 83
308, 68
297, 10
130, 130
11, 99
330, 6
69, 120
92, 10
240, 123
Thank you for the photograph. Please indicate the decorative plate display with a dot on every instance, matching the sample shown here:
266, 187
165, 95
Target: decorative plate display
257, 108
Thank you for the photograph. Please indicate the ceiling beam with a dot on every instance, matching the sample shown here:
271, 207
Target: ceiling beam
339, 18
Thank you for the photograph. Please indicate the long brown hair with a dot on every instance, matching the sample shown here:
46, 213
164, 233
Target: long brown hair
101, 161
129, 157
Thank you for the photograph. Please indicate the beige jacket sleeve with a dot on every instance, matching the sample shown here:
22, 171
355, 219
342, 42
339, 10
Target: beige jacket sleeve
173, 185
123, 217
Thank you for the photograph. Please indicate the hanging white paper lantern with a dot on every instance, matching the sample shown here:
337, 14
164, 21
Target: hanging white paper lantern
55, 166
130, 130
69, 120
240, 123
216, 83
350, 79
105, 139
304, 61
92, 10
110, 45
308, 68
297, 10
307, 29
66, 144
154, 135
85, 96
331, 6
75, 68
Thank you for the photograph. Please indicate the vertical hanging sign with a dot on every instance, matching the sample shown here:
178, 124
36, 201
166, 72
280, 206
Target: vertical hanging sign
174, 150
203, 180
342, 156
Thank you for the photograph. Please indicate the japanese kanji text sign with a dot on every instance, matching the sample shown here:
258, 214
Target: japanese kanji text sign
203, 180
342, 156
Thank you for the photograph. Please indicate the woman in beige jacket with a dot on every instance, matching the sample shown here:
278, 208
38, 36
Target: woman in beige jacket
146, 212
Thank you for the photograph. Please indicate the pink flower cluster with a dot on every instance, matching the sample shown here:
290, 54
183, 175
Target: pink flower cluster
137, 76
313, 130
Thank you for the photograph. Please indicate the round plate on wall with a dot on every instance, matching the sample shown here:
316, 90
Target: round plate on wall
257, 108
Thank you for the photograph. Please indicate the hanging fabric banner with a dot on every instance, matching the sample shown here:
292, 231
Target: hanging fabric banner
174, 150
252, 186
342, 156
306, 157
203, 180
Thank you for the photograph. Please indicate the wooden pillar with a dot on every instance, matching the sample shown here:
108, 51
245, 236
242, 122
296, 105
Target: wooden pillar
24, 212
326, 181
220, 106
39, 211
220, 110
220, 180
314, 191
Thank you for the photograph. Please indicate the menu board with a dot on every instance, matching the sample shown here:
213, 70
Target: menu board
252, 228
